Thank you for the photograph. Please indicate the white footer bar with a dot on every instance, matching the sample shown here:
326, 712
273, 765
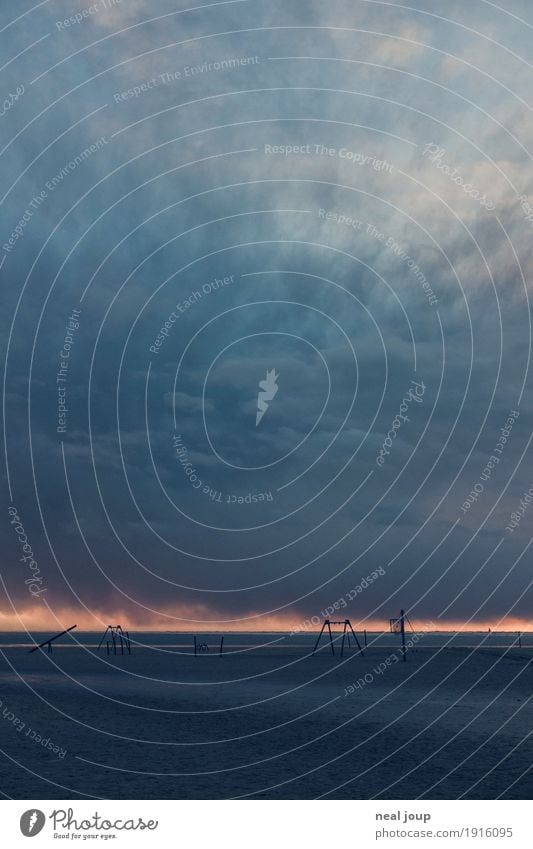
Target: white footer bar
258, 824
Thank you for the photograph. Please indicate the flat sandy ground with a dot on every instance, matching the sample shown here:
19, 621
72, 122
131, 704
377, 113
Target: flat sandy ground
266, 723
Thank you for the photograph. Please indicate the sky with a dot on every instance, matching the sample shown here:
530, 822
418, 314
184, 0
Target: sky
323, 209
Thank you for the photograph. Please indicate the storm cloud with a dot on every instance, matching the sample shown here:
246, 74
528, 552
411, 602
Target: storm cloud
192, 198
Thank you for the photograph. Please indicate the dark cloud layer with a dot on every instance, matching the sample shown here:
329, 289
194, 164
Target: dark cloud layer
203, 250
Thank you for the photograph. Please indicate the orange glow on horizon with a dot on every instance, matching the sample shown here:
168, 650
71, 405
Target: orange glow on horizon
43, 618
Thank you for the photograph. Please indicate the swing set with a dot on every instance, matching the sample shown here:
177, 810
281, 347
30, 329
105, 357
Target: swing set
115, 634
345, 635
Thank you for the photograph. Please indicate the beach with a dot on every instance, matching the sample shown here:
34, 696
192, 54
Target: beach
267, 719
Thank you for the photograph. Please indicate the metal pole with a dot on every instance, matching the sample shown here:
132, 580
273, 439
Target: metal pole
318, 638
343, 637
103, 638
330, 637
221, 646
355, 637
364, 633
402, 626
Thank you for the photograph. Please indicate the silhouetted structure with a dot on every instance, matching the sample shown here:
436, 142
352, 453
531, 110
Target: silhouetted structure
345, 634
116, 635
50, 641
397, 626
204, 647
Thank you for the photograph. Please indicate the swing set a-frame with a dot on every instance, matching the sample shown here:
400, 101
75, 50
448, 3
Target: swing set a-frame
115, 634
345, 636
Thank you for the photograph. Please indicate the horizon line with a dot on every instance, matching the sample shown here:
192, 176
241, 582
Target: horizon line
181, 621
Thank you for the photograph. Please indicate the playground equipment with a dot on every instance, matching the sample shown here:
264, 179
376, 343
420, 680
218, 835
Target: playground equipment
49, 642
203, 647
345, 634
397, 626
115, 633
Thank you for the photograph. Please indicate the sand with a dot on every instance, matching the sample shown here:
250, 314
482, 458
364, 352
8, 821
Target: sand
270, 722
